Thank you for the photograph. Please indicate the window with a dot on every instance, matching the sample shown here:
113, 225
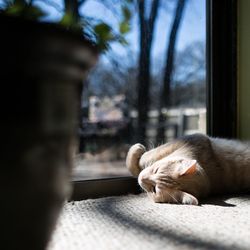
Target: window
176, 76
150, 91
221, 85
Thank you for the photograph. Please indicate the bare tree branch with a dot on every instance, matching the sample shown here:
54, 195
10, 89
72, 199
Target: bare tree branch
142, 20
152, 17
171, 53
143, 85
165, 91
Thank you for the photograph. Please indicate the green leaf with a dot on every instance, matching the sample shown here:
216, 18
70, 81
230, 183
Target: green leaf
67, 20
103, 46
124, 27
21, 8
104, 35
103, 31
14, 10
34, 13
102, 28
126, 13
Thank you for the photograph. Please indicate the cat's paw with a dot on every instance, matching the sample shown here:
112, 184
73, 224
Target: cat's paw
188, 199
133, 158
173, 197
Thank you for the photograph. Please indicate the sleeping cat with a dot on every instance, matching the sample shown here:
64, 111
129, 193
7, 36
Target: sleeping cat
191, 167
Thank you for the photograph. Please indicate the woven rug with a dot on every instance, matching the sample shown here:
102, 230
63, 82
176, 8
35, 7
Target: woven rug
135, 222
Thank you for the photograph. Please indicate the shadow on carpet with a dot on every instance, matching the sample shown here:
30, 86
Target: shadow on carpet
135, 222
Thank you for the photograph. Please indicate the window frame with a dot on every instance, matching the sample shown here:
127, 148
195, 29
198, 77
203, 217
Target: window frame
97, 188
221, 78
222, 68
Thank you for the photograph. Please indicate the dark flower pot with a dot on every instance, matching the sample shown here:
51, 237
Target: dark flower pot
41, 72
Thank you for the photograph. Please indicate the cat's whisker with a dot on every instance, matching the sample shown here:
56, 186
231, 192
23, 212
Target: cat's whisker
173, 198
151, 195
150, 144
161, 196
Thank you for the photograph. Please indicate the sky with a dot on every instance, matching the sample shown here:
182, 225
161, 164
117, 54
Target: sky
192, 27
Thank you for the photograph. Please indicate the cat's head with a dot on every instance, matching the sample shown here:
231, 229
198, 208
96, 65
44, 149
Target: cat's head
165, 180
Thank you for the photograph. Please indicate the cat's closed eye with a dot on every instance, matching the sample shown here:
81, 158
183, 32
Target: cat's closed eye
155, 171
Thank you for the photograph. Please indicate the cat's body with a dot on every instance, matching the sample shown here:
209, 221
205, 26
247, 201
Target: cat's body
191, 167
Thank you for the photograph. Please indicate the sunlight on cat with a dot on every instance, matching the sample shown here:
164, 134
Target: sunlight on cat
190, 168
161, 180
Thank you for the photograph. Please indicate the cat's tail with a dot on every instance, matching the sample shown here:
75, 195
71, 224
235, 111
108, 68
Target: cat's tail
133, 158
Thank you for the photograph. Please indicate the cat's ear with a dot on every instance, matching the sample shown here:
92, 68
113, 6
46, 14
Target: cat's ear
188, 199
188, 167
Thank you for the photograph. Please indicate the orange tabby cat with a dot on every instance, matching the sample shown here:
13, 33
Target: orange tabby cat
191, 167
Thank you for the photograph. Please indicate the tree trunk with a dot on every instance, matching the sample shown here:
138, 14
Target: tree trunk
166, 90
143, 93
146, 36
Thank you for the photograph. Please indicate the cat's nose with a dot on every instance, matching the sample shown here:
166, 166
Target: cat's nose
143, 178
146, 177
146, 182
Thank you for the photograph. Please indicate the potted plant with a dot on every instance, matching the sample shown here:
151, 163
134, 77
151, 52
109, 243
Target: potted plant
42, 67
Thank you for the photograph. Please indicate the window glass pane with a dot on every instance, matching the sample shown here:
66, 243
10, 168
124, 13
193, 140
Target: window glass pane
149, 91
148, 87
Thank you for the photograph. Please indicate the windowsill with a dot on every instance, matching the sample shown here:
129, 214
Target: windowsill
95, 168
96, 188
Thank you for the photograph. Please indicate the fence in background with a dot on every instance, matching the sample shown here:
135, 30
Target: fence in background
179, 121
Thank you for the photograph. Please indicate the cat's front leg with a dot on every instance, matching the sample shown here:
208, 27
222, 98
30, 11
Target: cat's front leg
188, 199
133, 158
159, 152
174, 196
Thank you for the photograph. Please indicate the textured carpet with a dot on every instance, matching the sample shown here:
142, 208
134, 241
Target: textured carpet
134, 222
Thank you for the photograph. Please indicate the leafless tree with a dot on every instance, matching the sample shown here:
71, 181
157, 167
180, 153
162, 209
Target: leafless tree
165, 90
147, 25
